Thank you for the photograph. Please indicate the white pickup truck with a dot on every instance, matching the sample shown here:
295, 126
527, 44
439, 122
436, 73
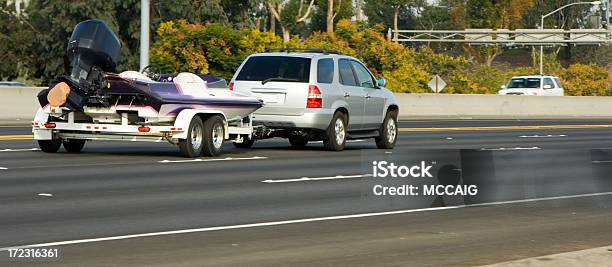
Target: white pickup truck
537, 85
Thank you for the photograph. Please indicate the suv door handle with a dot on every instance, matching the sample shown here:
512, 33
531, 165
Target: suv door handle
368, 96
347, 95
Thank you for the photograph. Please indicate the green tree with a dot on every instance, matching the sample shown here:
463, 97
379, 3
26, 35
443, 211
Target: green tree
341, 9
53, 21
290, 14
394, 14
14, 32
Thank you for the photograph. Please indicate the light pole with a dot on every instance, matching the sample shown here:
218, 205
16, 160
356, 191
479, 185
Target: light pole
553, 12
144, 34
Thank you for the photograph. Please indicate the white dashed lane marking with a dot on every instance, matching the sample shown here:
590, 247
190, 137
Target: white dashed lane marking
208, 160
306, 179
511, 148
543, 136
18, 149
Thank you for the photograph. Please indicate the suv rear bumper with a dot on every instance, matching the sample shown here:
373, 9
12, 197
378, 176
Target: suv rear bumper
319, 119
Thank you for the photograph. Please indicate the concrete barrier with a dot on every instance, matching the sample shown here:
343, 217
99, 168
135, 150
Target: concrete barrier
436, 106
18, 105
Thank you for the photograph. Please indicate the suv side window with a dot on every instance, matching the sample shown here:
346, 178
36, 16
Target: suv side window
558, 82
364, 79
346, 73
549, 81
325, 70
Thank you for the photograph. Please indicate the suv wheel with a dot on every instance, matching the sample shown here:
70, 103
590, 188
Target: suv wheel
298, 141
388, 132
336, 133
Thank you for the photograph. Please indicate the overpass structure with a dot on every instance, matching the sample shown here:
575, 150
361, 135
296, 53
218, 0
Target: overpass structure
504, 37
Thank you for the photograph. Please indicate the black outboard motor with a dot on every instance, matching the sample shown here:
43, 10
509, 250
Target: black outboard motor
92, 49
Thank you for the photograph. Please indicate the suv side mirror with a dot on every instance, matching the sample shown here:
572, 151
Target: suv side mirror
503, 87
547, 86
381, 82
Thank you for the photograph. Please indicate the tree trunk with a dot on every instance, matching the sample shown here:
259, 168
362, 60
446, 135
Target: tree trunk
286, 34
272, 24
330, 16
358, 10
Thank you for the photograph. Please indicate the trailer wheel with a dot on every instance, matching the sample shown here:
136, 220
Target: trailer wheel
74, 145
214, 135
191, 147
49, 146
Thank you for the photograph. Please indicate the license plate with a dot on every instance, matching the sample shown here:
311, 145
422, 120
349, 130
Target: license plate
272, 98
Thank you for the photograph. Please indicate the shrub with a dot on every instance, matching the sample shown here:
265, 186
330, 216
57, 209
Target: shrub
582, 80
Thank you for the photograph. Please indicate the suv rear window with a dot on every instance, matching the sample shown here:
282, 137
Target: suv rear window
279, 68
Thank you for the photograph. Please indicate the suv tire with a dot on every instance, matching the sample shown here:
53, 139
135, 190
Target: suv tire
298, 141
336, 133
388, 131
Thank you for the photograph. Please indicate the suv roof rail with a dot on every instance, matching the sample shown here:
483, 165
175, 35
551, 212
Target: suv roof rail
306, 50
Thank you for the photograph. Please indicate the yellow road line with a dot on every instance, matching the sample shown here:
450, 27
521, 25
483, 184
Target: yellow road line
15, 137
506, 128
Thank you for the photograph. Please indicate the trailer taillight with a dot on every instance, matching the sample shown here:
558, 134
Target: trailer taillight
144, 129
50, 125
231, 86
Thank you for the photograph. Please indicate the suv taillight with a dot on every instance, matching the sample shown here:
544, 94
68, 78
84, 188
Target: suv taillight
314, 97
231, 86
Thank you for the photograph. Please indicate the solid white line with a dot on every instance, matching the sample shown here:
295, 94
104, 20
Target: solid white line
348, 141
543, 136
304, 179
208, 160
18, 149
339, 217
511, 148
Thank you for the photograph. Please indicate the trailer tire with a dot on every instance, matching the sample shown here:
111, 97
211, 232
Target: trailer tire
191, 147
214, 135
49, 146
74, 145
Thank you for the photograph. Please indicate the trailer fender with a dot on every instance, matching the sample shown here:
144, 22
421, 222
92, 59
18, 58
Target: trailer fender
184, 118
41, 117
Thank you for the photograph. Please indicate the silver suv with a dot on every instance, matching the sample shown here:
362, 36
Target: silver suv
314, 95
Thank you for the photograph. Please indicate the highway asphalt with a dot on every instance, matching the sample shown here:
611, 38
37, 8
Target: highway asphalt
541, 191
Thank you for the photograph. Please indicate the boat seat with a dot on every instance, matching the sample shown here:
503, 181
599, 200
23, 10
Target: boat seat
191, 84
